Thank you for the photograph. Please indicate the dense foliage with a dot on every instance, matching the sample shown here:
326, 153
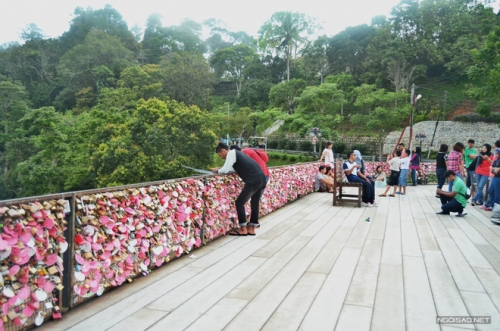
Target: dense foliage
108, 104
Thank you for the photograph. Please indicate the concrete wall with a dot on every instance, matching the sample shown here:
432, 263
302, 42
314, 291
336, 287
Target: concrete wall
447, 132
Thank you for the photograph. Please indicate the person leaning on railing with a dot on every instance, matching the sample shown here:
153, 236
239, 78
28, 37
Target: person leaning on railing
255, 182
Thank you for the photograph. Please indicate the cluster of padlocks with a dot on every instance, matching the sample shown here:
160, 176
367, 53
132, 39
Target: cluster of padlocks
31, 270
122, 234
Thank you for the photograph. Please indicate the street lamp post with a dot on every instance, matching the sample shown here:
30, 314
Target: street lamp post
313, 133
420, 137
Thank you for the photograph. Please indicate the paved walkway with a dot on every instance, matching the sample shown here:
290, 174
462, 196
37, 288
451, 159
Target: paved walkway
317, 267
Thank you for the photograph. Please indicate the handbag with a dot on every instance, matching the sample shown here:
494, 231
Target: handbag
466, 196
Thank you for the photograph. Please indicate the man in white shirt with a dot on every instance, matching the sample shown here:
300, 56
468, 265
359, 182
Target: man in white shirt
255, 182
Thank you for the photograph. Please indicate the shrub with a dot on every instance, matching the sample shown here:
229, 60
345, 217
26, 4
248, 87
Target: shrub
483, 108
273, 144
360, 147
274, 156
284, 156
291, 145
293, 158
474, 118
306, 146
282, 143
339, 147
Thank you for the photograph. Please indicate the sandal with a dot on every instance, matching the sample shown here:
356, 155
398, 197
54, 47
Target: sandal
236, 233
382, 195
392, 195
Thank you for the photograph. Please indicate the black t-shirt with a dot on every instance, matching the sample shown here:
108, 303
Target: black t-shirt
441, 160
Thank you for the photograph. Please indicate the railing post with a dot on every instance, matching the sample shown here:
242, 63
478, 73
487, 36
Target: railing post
202, 230
68, 257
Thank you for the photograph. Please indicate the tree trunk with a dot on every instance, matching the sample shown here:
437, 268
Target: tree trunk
238, 88
288, 64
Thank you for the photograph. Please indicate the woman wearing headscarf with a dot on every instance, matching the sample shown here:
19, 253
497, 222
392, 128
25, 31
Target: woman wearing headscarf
482, 173
363, 175
415, 164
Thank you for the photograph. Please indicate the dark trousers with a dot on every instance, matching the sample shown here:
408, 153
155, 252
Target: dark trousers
450, 205
440, 176
368, 188
371, 197
252, 193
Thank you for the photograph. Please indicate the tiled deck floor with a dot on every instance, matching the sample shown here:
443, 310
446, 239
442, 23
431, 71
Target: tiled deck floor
317, 267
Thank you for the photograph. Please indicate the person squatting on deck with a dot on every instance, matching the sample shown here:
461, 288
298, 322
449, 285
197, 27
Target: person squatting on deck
453, 201
255, 182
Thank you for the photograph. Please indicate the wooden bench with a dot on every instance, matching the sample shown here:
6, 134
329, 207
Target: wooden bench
338, 184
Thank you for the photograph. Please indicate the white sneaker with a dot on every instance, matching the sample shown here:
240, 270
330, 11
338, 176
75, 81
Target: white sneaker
368, 205
374, 204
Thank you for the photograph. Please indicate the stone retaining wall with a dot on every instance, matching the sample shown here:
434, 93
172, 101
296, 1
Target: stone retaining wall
447, 132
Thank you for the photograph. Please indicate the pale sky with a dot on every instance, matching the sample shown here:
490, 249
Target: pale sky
53, 16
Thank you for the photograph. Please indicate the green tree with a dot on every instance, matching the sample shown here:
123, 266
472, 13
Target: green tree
147, 80
13, 106
314, 60
485, 72
345, 83
96, 63
255, 94
32, 32
107, 20
241, 123
286, 31
34, 65
266, 120
230, 63
284, 94
43, 172
187, 78
153, 143
322, 99
382, 121
347, 50
159, 40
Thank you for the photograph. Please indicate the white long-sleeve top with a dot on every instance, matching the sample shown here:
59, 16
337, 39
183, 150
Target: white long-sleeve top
230, 161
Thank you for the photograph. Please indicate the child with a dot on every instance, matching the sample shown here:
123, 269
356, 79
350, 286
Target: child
380, 177
394, 164
403, 173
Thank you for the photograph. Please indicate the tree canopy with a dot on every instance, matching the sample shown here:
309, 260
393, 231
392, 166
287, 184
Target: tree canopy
107, 104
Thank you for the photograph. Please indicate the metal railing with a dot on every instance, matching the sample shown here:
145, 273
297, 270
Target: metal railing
299, 177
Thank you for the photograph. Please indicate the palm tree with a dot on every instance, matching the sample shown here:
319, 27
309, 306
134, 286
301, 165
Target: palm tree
286, 31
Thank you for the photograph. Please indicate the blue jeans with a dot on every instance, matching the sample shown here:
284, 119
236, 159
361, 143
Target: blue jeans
440, 176
493, 193
472, 175
414, 177
481, 181
403, 173
450, 184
